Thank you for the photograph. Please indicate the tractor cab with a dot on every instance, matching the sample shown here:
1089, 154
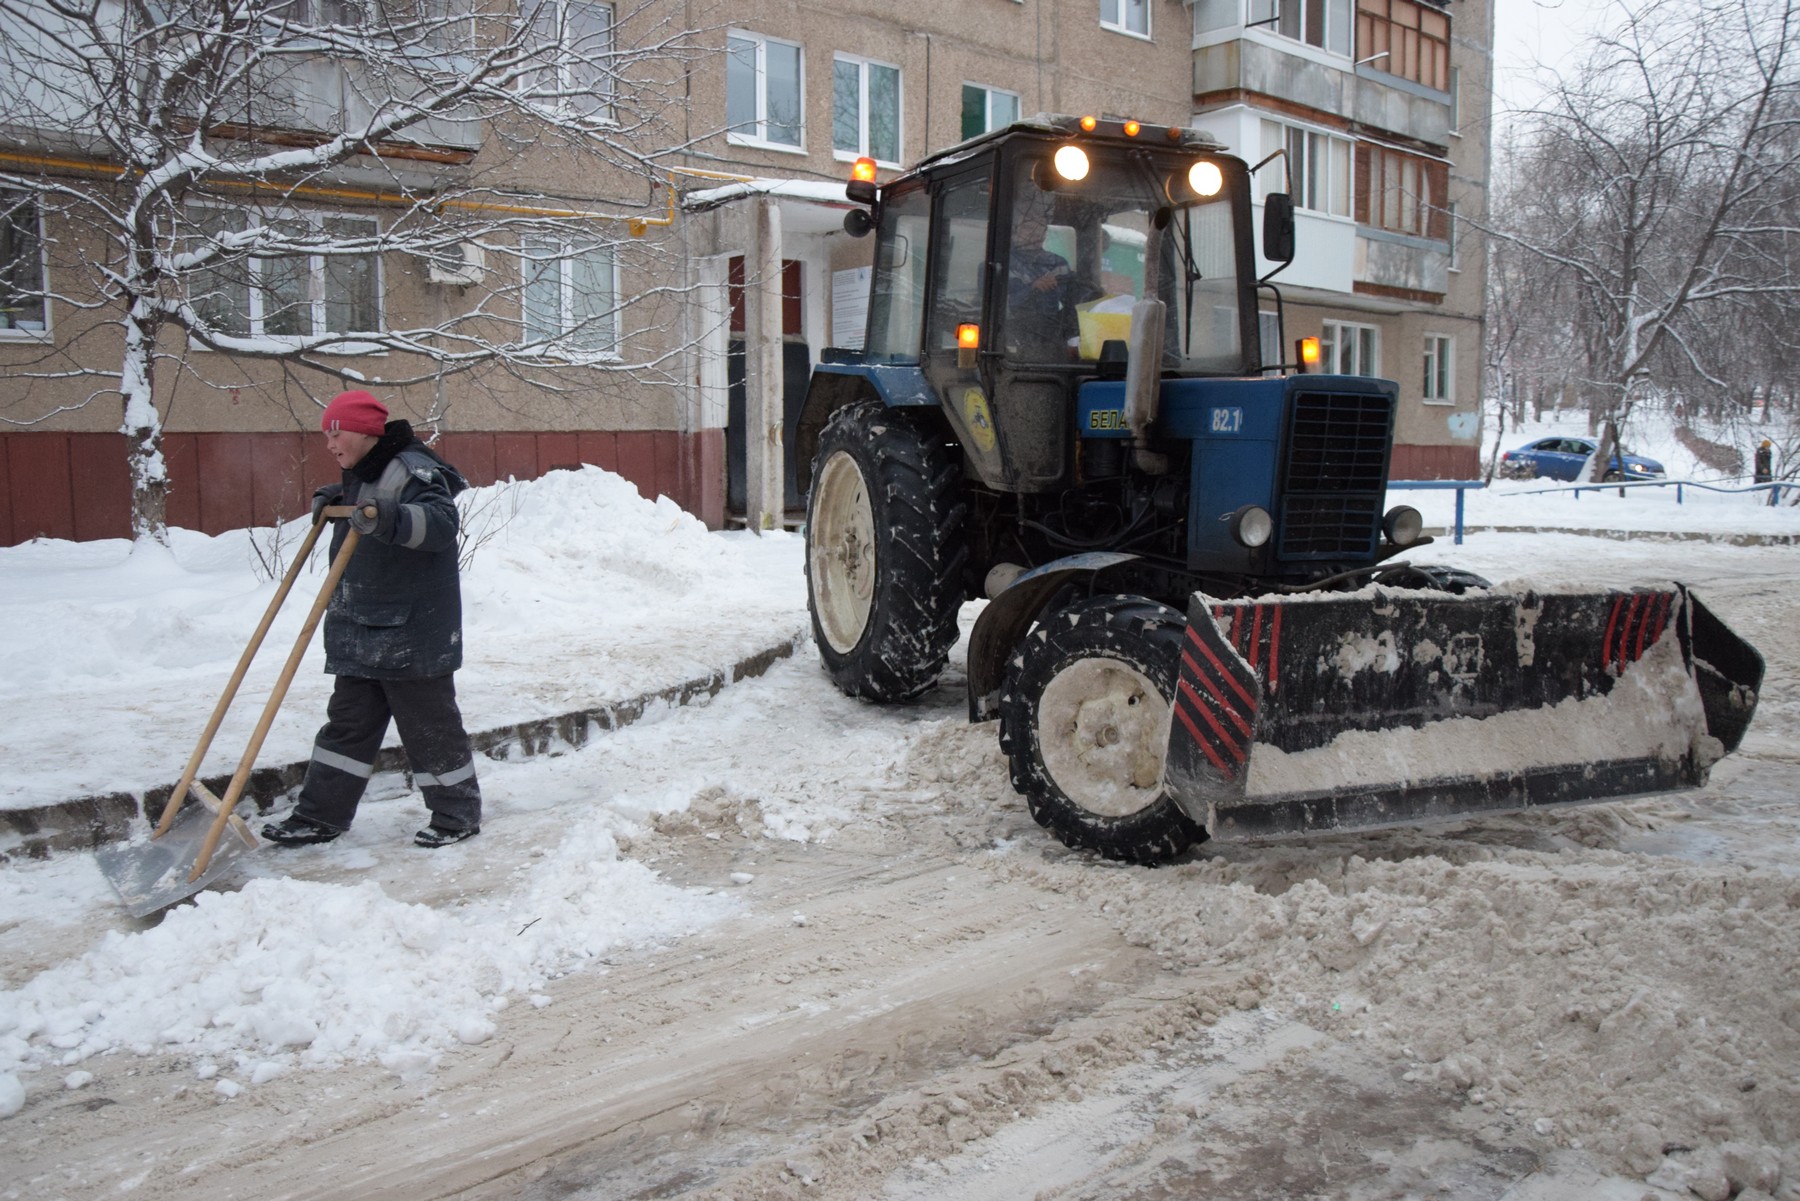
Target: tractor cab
1007, 269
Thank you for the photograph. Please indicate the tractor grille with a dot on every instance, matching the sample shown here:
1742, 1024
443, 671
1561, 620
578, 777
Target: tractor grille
1336, 474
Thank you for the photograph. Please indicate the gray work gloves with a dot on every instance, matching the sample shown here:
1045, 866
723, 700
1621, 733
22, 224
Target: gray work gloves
326, 494
381, 525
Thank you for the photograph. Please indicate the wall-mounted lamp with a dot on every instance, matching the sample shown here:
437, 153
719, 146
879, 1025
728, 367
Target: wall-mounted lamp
1372, 58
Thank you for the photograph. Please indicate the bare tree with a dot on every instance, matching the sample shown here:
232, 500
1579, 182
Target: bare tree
230, 174
1656, 186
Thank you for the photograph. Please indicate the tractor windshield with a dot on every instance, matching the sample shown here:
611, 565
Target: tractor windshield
1080, 252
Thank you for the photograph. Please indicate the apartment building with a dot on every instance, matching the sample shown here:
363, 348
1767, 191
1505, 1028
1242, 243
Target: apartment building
668, 317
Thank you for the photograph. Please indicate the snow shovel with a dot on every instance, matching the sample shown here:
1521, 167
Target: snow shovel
187, 850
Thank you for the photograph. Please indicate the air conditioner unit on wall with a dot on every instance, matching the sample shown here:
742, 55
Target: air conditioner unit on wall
459, 266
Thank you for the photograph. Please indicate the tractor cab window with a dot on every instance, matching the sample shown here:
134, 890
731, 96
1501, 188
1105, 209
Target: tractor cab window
1077, 264
960, 283
895, 301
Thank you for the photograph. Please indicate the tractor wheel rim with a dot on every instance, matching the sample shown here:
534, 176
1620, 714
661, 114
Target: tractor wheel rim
1103, 730
843, 553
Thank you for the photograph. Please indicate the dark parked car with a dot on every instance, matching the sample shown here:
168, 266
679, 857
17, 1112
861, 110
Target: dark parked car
1561, 459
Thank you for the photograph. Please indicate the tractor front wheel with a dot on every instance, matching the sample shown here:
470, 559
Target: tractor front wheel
884, 552
1084, 722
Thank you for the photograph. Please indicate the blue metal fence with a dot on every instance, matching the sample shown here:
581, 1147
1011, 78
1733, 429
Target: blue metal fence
1463, 486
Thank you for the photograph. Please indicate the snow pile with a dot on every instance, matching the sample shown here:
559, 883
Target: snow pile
289, 972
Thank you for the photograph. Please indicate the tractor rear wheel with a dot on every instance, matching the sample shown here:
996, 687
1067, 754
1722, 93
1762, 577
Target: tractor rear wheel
1084, 723
884, 552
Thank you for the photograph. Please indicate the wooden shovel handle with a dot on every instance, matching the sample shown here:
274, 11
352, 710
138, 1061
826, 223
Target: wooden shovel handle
230, 799
180, 795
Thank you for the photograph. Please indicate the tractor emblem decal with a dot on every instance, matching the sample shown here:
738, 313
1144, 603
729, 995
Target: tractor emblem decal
980, 421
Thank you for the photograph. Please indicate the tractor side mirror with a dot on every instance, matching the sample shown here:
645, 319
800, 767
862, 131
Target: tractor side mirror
859, 223
1278, 227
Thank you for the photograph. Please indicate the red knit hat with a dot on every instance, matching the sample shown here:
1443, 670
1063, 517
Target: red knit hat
356, 413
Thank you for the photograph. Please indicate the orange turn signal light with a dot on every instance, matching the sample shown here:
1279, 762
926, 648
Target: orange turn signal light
1132, 128
863, 170
968, 336
1089, 124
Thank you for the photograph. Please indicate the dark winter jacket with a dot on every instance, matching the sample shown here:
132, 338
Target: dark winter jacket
397, 613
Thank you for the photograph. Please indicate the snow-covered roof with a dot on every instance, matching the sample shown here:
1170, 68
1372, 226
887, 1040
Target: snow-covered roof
814, 190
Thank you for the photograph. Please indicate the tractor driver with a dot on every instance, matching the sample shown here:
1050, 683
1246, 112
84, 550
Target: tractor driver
1038, 285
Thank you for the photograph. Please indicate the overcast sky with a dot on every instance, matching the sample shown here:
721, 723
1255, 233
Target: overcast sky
1533, 33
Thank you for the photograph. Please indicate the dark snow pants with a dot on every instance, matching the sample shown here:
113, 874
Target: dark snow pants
431, 730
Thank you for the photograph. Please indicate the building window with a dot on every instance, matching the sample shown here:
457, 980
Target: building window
1126, 16
1402, 193
763, 90
576, 37
1318, 167
1407, 38
23, 306
865, 109
1322, 23
1440, 369
571, 297
1349, 349
329, 284
987, 108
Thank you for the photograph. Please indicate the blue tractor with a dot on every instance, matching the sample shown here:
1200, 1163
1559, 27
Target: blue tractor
1062, 404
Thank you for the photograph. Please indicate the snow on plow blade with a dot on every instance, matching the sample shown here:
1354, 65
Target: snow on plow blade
1346, 711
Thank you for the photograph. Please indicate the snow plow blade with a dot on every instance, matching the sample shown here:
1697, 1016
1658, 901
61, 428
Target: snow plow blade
1352, 711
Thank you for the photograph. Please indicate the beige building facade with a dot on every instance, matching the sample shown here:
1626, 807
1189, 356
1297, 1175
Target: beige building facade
685, 296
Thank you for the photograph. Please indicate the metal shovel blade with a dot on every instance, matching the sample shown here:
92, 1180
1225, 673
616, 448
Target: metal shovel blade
152, 875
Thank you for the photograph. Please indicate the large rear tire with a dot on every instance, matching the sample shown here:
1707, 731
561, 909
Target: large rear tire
885, 545
1084, 723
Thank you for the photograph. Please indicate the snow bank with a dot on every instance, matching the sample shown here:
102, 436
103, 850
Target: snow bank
290, 972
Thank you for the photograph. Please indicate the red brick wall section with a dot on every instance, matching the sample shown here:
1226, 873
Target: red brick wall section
40, 486
63, 485
1435, 463
102, 486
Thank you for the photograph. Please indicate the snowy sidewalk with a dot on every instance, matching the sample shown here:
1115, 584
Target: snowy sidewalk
585, 608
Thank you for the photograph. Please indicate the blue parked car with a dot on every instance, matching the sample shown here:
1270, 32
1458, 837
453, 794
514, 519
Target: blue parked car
1561, 459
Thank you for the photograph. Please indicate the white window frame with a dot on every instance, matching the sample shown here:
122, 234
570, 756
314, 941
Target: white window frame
318, 301
39, 288
864, 111
1122, 16
1440, 370
988, 123
598, 332
1340, 167
1340, 22
758, 132
569, 72
1344, 344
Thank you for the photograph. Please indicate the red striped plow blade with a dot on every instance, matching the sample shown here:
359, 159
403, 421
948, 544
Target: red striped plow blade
1349, 711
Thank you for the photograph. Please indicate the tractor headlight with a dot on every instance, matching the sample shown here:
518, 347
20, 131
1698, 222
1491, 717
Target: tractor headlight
1402, 525
1252, 526
1205, 178
1071, 163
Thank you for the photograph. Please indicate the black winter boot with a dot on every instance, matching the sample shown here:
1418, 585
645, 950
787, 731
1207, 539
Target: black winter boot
434, 837
298, 831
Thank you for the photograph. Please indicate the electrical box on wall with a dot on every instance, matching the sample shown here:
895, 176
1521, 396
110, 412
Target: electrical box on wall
458, 266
